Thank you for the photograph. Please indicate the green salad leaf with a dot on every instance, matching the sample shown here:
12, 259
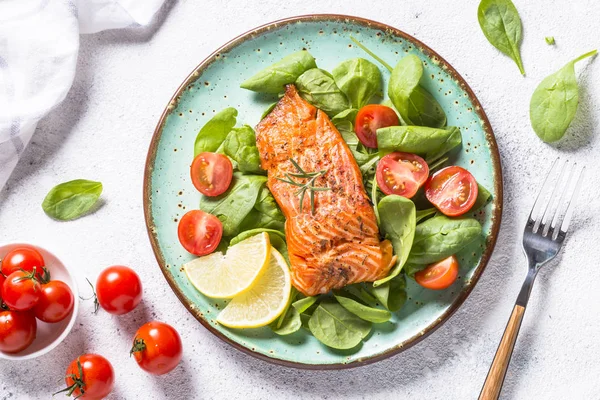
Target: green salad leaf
422, 214
358, 291
268, 110
554, 102
318, 88
359, 79
304, 304
363, 312
337, 327
277, 239
214, 132
265, 214
70, 200
240, 145
290, 323
432, 143
274, 78
483, 198
392, 295
348, 115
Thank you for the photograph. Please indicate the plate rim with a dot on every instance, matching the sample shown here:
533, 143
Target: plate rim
497, 201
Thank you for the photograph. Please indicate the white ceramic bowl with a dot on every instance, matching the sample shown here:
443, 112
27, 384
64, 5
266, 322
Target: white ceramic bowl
48, 335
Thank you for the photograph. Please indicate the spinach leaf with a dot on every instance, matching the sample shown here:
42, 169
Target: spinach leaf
273, 78
70, 200
214, 132
345, 129
359, 79
441, 237
348, 115
432, 143
424, 110
483, 197
554, 102
360, 293
304, 304
500, 22
392, 295
318, 88
268, 110
291, 323
277, 239
233, 206
422, 214
366, 313
337, 327
240, 145
398, 222
265, 214
549, 40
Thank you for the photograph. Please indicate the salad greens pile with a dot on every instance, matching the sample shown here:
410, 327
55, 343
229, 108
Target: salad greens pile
419, 234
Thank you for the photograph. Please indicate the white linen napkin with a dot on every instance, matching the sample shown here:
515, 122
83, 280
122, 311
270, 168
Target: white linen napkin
39, 41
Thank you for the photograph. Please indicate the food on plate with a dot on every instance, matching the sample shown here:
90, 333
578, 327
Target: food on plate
370, 118
211, 173
439, 275
401, 173
452, 190
71, 200
199, 232
89, 377
21, 290
157, 348
55, 303
118, 289
22, 258
18, 329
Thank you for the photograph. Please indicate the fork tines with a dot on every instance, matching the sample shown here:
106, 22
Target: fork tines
554, 204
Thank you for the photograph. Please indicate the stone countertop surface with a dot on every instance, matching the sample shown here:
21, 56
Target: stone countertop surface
102, 132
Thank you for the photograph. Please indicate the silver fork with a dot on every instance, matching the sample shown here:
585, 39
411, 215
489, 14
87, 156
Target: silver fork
543, 238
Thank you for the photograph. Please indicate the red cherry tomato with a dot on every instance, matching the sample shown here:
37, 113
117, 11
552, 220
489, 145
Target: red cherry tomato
119, 289
211, 173
21, 291
157, 348
2, 279
23, 258
370, 118
453, 190
90, 377
439, 275
401, 173
199, 232
55, 303
17, 330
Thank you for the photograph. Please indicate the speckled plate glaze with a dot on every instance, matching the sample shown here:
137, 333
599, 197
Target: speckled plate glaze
214, 85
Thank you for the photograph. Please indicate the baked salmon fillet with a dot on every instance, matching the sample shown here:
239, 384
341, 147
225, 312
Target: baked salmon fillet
336, 243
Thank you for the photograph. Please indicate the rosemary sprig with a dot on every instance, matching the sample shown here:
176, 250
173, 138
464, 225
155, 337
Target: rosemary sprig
304, 186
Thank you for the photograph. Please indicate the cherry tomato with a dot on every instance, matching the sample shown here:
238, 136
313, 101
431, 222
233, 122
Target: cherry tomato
453, 190
370, 118
23, 258
55, 303
401, 173
439, 275
90, 377
119, 289
157, 348
17, 330
211, 173
21, 291
199, 232
2, 279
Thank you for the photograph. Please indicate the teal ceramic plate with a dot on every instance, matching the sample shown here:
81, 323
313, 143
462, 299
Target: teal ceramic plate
214, 85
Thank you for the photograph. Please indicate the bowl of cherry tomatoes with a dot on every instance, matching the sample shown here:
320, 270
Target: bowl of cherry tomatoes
38, 301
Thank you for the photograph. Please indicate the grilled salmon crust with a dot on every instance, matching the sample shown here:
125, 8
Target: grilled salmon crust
338, 244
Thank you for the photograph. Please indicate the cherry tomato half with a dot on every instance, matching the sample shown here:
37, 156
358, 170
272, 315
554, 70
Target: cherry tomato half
199, 232
401, 173
211, 173
370, 118
23, 258
119, 289
453, 190
55, 303
17, 330
157, 348
95, 381
21, 291
439, 275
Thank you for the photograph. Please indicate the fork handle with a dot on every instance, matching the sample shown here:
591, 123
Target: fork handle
495, 378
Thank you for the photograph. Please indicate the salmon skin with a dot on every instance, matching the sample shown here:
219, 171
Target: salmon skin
337, 244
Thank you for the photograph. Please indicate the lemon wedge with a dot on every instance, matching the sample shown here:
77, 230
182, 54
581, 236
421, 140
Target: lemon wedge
225, 276
264, 301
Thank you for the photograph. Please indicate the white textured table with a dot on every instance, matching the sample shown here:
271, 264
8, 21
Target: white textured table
102, 131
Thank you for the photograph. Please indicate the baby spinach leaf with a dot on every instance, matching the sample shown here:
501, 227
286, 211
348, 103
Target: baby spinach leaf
398, 222
392, 294
549, 40
268, 110
304, 304
440, 237
70, 200
318, 88
360, 293
366, 313
483, 197
291, 323
233, 206
422, 214
273, 78
500, 22
214, 132
432, 143
265, 214
277, 239
348, 115
359, 79
554, 102
240, 145
337, 327
424, 110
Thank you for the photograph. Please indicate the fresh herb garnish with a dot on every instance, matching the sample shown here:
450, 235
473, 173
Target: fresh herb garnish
309, 185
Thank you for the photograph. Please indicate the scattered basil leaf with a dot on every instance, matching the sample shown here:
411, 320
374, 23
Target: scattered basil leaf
268, 110
550, 40
240, 145
432, 143
554, 102
336, 327
70, 200
290, 323
392, 295
304, 304
274, 78
500, 22
359, 79
366, 313
318, 88
214, 132
483, 198
422, 214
